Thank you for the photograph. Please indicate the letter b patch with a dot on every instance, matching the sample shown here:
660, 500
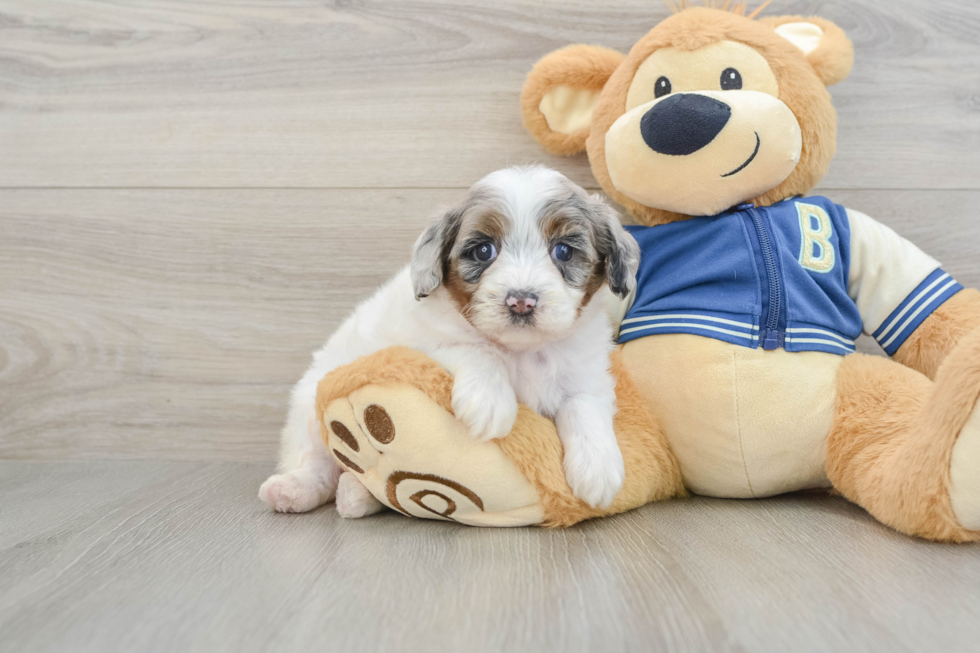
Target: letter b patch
816, 252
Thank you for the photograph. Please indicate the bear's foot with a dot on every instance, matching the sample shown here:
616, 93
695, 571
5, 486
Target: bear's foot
959, 376
409, 453
964, 474
908, 449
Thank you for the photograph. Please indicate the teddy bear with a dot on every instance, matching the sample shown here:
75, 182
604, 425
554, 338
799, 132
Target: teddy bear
737, 372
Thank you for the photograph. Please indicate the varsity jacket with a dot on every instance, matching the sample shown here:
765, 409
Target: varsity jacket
804, 275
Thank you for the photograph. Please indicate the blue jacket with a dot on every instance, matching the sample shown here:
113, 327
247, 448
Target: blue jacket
783, 276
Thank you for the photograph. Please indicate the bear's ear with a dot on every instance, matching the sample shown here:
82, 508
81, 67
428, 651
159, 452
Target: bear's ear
825, 45
560, 93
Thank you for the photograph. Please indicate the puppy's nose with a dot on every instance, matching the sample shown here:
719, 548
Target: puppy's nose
521, 302
684, 123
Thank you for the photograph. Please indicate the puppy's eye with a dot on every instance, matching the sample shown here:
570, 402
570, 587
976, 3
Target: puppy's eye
731, 80
485, 252
661, 87
562, 252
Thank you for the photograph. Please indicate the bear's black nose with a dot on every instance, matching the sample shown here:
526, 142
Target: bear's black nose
684, 123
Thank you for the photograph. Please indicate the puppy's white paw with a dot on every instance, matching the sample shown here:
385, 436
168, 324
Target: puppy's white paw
488, 406
594, 467
292, 492
353, 499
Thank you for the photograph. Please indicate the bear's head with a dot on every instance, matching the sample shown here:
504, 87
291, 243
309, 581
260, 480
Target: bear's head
709, 110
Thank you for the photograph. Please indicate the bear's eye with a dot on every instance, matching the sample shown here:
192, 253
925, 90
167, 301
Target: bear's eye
661, 87
731, 80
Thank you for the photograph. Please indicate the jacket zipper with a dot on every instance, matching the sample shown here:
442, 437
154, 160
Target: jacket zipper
771, 336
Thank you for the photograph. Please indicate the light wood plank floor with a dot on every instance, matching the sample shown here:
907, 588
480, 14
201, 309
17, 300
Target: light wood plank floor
145, 556
194, 194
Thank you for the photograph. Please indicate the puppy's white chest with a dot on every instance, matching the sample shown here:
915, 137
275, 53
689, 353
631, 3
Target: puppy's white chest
537, 381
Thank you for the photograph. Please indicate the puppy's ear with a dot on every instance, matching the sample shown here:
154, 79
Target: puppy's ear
619, 248
429, 252
823, 43
560, 93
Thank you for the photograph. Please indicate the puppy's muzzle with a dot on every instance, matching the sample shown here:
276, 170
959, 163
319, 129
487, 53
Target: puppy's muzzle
521, 302
684, 123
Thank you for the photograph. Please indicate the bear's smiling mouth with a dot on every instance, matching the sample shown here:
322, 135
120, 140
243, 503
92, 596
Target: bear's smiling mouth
758, 142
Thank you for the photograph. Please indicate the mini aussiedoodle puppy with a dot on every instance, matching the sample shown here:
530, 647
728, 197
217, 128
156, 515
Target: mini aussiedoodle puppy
508, 290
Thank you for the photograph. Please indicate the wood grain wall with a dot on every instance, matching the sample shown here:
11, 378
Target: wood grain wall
193, 195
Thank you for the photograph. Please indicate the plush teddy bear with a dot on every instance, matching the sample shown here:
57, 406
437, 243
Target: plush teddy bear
737, 369
711, 132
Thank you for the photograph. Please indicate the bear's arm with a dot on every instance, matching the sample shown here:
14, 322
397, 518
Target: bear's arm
928, 346
908, 303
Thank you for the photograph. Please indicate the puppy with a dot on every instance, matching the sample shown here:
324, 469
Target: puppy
508, 291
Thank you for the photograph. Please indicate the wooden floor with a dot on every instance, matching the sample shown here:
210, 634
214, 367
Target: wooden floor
151, 556
194, 194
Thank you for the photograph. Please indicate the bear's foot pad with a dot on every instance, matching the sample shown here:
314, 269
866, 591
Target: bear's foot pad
964, 474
